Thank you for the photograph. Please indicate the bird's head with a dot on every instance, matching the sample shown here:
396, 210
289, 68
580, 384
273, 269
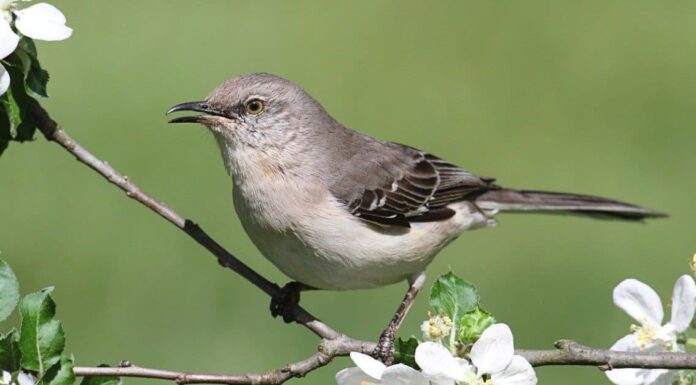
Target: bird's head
256, 110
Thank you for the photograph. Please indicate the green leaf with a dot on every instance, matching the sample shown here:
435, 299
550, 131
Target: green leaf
35, 77
101, 380
42, 339
18, 107
9, 351
14, 112
404, 352
9, 290
453, 296
36, 81
28, 82
60, 373
472, 324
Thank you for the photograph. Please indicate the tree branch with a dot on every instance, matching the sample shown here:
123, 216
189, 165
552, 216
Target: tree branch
567, 353
333, 344
328, 349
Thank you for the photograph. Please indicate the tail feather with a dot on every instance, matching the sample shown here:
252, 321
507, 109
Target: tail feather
552, 202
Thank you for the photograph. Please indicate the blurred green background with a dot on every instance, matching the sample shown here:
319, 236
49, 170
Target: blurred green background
594, 97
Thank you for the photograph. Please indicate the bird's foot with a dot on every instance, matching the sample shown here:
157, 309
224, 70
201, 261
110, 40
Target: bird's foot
385, 347
285, 301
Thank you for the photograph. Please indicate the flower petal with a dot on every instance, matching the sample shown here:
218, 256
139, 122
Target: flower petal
353, 376
369, 365
683, 303
626, 376
639, 301
42, 21
665, 338
494, 349
438, 363
25, 378
627, 343
401, 374
4, 80
658, 377
8, 39
629, 376
519, 372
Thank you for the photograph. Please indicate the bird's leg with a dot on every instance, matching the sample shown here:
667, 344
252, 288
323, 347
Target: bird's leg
286, 299
385, 346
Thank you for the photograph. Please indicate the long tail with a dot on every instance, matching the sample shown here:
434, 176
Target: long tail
561, 203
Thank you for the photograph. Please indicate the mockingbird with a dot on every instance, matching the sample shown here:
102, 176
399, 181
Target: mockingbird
335, 209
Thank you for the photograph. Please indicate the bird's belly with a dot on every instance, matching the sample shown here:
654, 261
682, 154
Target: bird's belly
338, 261
332, 249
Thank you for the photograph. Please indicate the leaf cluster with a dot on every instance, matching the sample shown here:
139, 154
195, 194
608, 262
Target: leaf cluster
38, 346
28, 83
459, 300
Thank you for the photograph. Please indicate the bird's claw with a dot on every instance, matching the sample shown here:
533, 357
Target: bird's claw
284, 302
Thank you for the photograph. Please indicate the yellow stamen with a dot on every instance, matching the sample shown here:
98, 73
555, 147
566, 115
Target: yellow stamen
645, 335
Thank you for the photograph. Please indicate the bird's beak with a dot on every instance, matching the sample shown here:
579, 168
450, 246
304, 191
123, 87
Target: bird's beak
203, 107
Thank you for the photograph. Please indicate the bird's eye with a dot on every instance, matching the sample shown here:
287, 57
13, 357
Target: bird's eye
254, 106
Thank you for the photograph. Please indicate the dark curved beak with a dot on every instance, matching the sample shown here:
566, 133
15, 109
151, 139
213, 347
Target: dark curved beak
197, 107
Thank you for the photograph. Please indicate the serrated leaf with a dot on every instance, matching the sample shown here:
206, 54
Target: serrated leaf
60, 373
453, 296
41, 339
35, 77
101, 380
27, 82
405, 352
9, 290
18, 105
36, 81
472, 324
9, 351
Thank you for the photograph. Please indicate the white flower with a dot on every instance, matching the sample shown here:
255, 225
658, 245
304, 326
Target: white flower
22, 378
493, 358
41, 21
372, 372
641, 302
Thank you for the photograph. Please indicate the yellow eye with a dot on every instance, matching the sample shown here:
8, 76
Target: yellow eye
254, 106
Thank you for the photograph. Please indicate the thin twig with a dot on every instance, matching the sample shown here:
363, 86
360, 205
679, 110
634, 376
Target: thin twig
328, 349
333, 344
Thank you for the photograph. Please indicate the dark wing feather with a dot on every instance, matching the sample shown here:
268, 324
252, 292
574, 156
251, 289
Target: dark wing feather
396, 185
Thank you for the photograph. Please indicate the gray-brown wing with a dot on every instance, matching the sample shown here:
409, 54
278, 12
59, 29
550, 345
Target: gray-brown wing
400, 184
